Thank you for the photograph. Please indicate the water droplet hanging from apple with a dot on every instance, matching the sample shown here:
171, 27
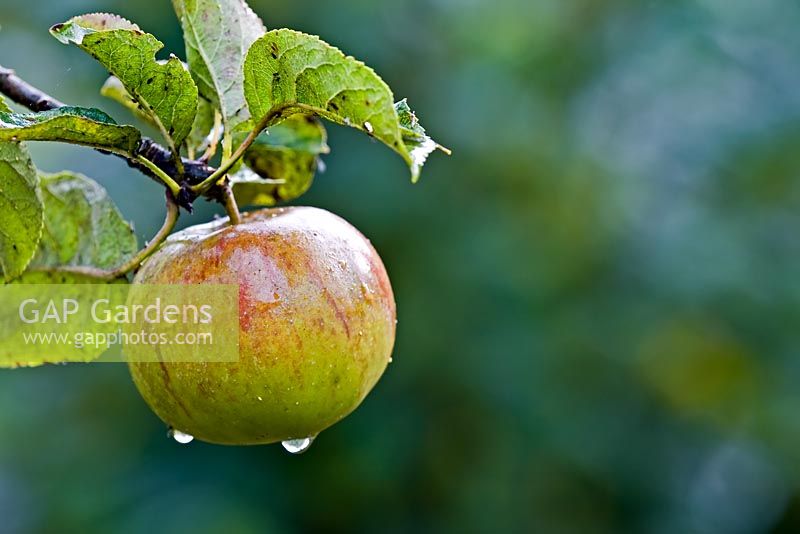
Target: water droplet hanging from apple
181, 437
297, 446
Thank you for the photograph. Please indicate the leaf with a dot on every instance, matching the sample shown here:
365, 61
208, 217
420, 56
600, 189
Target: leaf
3, 106
20, 210
82, 126
203, 121
299, 133
288, 72
77, 28
218, 34
114, 90
284, 159
419, 144
165, 90
82, 227
250, 189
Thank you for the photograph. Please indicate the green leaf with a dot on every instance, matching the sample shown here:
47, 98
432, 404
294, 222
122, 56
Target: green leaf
20, 210
82, 228
203, 121
284, 160
114, 90
3, 106
419, 144
287, 72
82, 126
298, 133
250, 189
165, 91
218, 34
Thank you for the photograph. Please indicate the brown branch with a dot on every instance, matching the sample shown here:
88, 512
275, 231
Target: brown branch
25, 94
195, 172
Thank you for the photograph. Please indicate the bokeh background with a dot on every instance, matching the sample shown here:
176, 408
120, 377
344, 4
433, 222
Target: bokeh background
598, 295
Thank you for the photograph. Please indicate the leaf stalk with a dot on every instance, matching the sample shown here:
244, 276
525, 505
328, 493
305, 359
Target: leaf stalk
173, 212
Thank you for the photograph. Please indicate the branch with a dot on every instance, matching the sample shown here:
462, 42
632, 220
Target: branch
23, 93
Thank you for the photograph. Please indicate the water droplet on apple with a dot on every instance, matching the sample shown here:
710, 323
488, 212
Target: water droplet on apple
366, 292
297, 446
181, 437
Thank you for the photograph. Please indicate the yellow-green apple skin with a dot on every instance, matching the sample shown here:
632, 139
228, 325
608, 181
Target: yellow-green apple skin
317, 324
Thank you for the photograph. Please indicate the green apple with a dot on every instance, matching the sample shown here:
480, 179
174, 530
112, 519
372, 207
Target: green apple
317, 324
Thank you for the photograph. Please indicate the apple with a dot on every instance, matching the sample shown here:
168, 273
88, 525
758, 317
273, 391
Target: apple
317, 323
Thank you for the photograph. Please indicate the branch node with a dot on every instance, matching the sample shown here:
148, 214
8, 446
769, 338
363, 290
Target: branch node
186, 197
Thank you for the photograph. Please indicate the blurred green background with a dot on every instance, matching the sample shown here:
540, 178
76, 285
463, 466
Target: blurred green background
598, 294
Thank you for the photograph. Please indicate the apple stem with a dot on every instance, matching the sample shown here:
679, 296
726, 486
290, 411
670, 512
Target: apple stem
229, 201
173, 212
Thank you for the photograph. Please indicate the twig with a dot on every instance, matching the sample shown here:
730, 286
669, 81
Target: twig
23, 93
